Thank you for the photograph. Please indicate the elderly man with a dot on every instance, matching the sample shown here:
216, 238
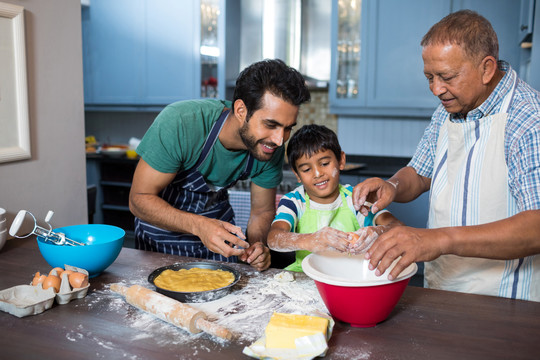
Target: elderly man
480, 158
195, 150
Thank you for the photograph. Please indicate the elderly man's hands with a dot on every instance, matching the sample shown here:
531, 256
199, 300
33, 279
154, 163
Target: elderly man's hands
378, 192
411, 244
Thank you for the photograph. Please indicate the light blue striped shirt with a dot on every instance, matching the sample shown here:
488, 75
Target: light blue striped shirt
521, 144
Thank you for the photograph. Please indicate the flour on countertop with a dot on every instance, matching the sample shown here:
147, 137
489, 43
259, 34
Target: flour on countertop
245, 311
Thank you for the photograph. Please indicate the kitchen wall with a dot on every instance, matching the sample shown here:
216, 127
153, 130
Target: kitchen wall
55, 176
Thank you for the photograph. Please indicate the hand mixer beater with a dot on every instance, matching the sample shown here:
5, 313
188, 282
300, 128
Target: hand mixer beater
47, 235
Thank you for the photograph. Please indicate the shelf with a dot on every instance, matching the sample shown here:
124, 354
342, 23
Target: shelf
115, 207
116, 183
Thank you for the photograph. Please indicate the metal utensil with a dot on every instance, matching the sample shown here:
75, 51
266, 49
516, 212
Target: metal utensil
47, 235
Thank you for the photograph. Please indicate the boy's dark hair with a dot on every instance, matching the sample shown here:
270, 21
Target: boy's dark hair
309, 140
273, 76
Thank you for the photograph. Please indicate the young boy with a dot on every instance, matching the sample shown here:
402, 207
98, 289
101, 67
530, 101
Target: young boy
319, 216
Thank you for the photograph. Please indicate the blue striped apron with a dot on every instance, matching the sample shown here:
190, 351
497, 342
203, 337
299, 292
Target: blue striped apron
470, 187
190, 192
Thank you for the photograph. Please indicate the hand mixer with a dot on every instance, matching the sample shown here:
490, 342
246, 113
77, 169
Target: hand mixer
47, 235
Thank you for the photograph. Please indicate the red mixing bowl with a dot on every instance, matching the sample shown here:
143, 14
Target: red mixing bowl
353, 293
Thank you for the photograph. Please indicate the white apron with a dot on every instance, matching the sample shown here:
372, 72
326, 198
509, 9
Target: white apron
470, 187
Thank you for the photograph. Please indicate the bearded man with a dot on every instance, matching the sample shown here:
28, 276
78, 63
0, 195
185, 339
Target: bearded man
196, 150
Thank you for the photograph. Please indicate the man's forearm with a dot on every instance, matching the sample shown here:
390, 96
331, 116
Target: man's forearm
156, 211
511, 238
259, 226
409, 185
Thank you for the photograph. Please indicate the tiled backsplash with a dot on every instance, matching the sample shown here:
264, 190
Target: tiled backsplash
317, 111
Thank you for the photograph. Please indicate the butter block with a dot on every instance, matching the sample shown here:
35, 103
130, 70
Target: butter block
283, 329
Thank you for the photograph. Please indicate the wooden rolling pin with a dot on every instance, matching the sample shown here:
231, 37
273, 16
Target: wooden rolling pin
170, 310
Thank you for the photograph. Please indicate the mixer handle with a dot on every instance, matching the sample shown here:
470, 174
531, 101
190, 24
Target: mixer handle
17, 222
49, 216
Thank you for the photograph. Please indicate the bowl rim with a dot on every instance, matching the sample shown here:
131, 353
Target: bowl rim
41, 240
316, 275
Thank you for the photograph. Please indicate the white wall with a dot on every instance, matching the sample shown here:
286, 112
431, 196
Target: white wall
55, 176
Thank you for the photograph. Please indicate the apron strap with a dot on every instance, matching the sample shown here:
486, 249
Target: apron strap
211, 138
209, 143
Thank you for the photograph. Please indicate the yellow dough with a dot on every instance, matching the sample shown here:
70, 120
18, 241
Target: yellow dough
193, 280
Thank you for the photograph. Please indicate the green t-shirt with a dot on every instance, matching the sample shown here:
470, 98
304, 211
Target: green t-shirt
174, 142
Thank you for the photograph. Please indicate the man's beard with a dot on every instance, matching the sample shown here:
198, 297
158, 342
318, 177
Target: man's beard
252, 144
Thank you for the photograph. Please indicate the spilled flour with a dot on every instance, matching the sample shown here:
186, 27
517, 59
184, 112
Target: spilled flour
245, 312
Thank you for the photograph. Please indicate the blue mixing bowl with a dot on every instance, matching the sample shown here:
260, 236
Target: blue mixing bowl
103, 244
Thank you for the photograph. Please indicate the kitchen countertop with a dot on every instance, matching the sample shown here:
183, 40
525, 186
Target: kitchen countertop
426, 324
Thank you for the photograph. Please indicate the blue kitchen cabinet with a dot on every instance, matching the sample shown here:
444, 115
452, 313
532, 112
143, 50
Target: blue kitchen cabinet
139, 52
143, 54
505, 16
534, 75
377, 68
389, 77
526, 24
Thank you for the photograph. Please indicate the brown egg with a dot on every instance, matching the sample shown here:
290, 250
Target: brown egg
59, 271
68, 272
52, 281
78, 280
38, 279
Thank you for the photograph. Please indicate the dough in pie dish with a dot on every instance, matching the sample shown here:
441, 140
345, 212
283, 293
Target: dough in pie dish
193, 280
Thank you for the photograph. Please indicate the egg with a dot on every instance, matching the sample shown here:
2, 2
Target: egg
59, 271
38, 279
52, 281
67, 272
78, 280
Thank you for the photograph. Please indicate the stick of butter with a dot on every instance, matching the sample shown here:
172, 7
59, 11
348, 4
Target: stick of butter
283, 329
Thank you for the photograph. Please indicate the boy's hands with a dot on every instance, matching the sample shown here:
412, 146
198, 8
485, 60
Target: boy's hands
328, 239
365, 237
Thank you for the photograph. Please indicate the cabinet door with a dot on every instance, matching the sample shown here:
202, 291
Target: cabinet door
141, 52
390, 78
389, 72
115, 49
504, 16
394, 55
172, 50
526, 23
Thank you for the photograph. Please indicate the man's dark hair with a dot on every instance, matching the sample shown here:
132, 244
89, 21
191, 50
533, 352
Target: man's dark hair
309, 140
273, 76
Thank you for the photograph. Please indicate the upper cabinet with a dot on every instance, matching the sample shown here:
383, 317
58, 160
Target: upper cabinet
144, 53
377, 68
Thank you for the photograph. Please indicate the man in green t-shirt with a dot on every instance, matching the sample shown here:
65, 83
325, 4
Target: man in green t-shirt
196, 150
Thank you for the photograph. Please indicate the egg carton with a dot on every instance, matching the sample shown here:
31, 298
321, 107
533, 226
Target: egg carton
25, 300
67, 293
